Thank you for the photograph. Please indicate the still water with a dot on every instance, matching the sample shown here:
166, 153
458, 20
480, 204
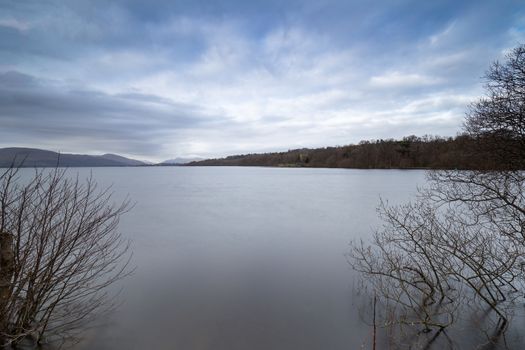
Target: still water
243, 258
234, 258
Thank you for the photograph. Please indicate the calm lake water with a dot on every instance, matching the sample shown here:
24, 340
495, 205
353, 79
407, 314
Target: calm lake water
244, 258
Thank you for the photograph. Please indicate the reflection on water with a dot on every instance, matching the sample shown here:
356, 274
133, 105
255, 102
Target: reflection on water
244, 258
480, 328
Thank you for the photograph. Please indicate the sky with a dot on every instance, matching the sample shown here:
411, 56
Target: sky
162, 79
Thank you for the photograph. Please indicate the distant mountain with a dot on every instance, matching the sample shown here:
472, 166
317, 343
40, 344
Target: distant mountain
123, 160
32, 157
181, 161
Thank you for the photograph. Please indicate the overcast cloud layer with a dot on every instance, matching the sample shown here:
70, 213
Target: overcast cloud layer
165, 79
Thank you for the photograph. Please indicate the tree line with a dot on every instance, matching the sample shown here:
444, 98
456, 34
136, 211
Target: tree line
428, 152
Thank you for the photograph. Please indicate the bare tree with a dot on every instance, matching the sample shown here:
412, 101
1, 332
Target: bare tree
498, 119
59, 250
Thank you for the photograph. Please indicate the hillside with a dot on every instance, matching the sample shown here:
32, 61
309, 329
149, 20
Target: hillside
32, 157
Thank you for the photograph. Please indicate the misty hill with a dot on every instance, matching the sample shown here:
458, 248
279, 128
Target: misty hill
408, 153
180, 161
32, 157
123, 160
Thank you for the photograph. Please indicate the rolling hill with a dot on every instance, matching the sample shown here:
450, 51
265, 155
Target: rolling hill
32, 157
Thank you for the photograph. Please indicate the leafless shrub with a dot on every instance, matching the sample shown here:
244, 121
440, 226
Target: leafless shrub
433, 260
60, 250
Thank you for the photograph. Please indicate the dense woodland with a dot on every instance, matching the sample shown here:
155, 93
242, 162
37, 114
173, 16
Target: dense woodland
432, 152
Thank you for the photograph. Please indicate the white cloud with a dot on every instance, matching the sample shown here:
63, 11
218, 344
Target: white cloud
442, 36
398, 79
15, 24
292, 88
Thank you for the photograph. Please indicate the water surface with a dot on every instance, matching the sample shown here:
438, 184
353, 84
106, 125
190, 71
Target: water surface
247, 258
243, 258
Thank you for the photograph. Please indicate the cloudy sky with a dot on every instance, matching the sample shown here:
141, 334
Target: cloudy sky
163, 79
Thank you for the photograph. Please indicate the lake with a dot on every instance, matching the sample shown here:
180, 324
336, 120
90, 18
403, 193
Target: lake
244, 258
